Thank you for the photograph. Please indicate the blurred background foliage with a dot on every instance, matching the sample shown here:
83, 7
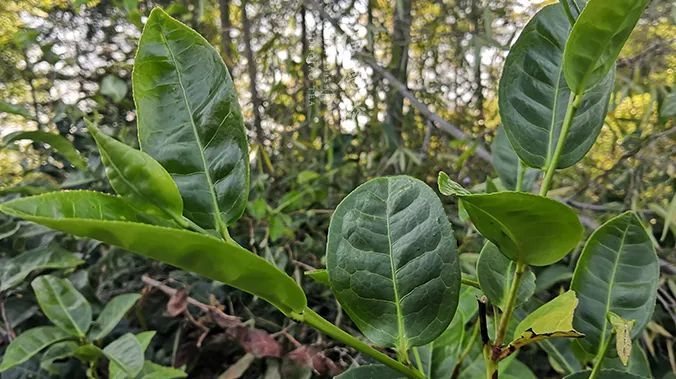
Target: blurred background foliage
334, 93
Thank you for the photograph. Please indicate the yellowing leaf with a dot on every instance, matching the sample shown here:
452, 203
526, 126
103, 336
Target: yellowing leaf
622, 329
553, 319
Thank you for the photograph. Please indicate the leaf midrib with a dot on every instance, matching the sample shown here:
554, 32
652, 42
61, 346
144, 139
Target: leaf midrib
611, 283
52, 292
401, 335
218, 222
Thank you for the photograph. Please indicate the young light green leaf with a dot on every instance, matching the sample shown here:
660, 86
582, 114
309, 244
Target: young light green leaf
117, 372
108, 219
58, 142
189, 120
392, 261
508, 165
138, 178
18, 268
617, 272
450, 188
111, 315
597, 39
88, 353
319, 276
154, 371
63, 304
29, 343
554, 319
526, 228
126, 353
533, 95
496, 273
622, 329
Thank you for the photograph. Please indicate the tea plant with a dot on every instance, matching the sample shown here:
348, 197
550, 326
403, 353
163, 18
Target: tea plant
74, 332
391, 254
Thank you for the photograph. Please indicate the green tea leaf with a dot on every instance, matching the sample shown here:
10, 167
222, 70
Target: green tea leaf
392, 261
496, 273
597, 39
605, 374
114, 87
88, 353
370, 372
533, 95
154, 371
447, 347
108, 219
18, 268
561, 356
189, 120
507, 163
57, 351
6, 107
58, 142
29, 343
111, 315
138, 178
117, 372
554, 319
617, 272
63, 304
319, 276
126, 353
526, 228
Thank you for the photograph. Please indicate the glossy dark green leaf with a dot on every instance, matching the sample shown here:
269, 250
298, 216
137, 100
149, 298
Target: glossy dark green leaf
29, 343
617, 272
126, 352
638, 361
111, 315
15, 270
496, 272
370, 372
63, 304
138, 178
392, 261
597, 39
554, 319
189, 120
561, 356
605, 374
58, 142
108, 219
533, 95
506, 163
447, 347
551, 275
526, 228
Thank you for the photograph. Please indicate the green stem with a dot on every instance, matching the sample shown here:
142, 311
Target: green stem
470, 282
316, 321
491, 365
521, 171
511, 302
554, 160
418, 361
598, 362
